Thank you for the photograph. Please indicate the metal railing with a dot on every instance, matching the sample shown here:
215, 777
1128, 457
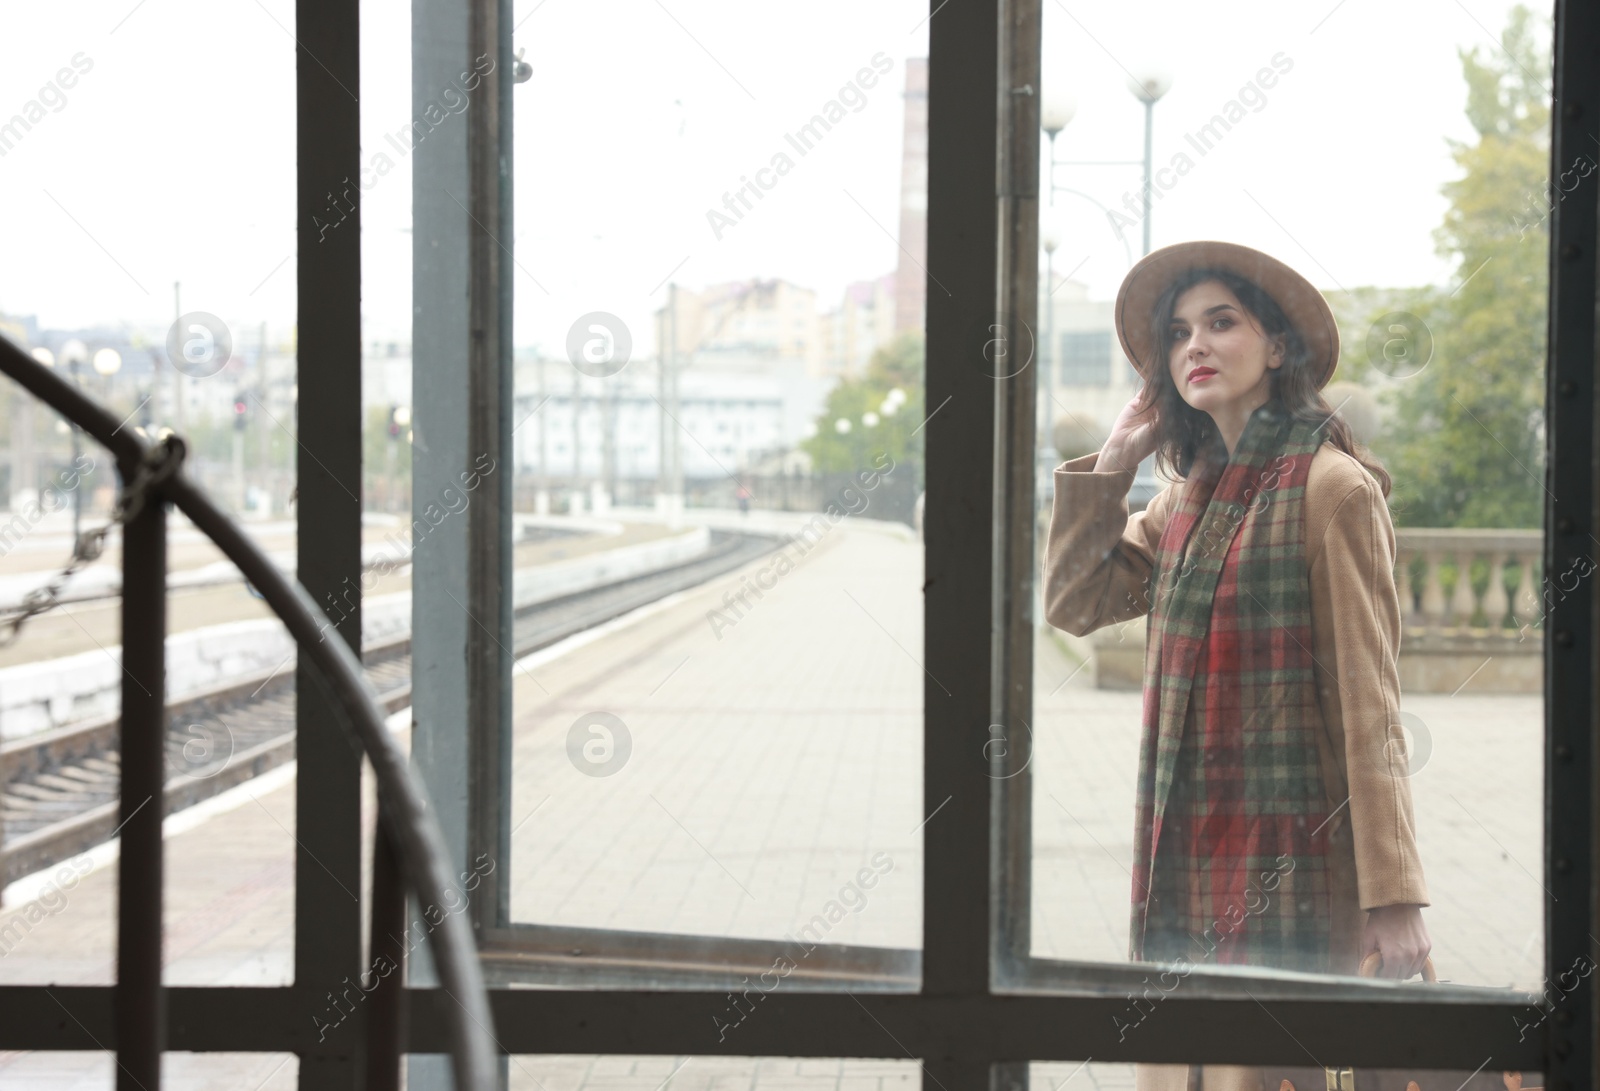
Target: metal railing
152, 477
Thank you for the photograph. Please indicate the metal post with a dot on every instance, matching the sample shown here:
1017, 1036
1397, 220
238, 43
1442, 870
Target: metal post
328, 912
23, 473
670, 426
264, 435
1015, 462
490, 663
577, 438
463, 398
1149, 124
177, 372
1051, 199
386, 1026
238, 473
1047, 357
664, 364
608, 437
544, 435
77, 494
141, 1006
1571, 820
963, 55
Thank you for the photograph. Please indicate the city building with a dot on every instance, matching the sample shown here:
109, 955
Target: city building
728, 415
1084, 379
744, 325
853, 331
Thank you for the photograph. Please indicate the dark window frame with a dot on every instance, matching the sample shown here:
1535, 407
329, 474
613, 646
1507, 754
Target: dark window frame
983, 1007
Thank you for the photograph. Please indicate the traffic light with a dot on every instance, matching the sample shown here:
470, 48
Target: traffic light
239, 408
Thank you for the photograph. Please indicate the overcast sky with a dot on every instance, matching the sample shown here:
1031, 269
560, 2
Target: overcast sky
172, 158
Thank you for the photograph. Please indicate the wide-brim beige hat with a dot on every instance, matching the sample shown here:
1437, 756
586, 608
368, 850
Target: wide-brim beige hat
1301, 303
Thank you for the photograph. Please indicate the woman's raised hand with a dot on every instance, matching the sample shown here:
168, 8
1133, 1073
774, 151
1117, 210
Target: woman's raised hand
1132, 439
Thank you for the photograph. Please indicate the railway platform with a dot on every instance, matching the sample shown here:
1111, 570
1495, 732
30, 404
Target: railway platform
771, 759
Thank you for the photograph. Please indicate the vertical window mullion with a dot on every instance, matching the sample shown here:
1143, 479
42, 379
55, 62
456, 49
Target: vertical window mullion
1570, 526
1015, 463
963, 52
328, 510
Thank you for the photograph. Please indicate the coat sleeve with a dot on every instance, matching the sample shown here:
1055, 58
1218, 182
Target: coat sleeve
1098, 559
1354, 574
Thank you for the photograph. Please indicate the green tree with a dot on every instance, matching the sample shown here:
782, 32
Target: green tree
1466, 448
857, 401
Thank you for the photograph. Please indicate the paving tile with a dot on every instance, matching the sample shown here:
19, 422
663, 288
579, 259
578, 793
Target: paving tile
612, 1067
767, 769
819, 1068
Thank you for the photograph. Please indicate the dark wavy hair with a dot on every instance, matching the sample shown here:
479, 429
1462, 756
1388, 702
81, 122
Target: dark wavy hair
1183, 433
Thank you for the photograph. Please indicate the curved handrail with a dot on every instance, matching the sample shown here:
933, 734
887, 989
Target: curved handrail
412, 824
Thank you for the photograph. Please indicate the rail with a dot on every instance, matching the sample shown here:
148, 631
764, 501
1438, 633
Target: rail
58, 788
152, 476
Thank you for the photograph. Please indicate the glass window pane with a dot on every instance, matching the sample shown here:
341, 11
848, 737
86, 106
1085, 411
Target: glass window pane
720, 384
173, 304
1251, 774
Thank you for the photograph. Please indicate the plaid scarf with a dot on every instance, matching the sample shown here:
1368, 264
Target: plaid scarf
1230, 857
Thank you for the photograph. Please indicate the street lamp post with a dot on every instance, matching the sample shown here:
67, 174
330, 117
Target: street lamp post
74, 353
107, 362
388, 458
402, 427
1057, 110
177, 372
1148, 89
24, 468
575, 504
541, 496
674, 450
1050, 239
241, 421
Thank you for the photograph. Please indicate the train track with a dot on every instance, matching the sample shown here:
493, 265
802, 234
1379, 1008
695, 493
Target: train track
59, 790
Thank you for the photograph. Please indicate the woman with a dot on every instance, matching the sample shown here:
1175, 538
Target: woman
1274, 823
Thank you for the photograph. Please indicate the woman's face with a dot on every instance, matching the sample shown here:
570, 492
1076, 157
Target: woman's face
1219, 357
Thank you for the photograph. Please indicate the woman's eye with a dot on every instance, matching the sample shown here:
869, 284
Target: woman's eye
1179, 334
1222, 323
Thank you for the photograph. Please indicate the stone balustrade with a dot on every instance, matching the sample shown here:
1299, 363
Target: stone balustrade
1426, 557
1473, 604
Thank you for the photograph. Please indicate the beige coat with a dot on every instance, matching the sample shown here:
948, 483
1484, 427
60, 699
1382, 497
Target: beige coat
1096, 564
